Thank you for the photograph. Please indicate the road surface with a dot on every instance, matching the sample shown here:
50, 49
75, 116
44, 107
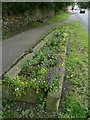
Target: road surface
84, 18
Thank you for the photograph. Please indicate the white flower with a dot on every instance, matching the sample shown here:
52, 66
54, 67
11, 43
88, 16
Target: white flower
16, 89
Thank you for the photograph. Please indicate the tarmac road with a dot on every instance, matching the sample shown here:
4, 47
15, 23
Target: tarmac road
83, 17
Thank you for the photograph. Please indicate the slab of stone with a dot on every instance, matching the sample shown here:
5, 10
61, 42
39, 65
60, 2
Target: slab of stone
42, 43
16, 69
53, 100
37, 48
29, 96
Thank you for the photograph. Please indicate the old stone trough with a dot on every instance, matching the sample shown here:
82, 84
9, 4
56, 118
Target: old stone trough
53, 98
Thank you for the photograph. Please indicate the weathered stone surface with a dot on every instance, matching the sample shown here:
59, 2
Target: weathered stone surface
41, 44
7, 92
30, 95
37, 48
16, 69
53, 100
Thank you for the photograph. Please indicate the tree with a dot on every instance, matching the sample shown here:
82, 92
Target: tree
12, 8
84, 4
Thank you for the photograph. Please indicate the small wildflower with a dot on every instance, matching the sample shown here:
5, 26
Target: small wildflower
72, 75
62, 64
49, 81
49, 72
22, 82
52, 76
26, 83
41, 81
16, 89
54, 68
49, 77
43, 70
64, 34
60, 69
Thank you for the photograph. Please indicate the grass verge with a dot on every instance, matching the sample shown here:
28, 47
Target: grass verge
75, 102
57, 18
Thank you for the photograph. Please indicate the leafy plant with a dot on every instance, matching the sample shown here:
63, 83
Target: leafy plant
42, 102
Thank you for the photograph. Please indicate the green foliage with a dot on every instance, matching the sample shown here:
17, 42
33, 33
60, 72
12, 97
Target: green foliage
84, 4
60, 16
17, 7
18, 86
74, 106
42, 102
13, 8
76, 73
53, 42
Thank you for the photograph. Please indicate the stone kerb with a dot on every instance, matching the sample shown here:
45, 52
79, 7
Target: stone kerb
41, 44
16, 69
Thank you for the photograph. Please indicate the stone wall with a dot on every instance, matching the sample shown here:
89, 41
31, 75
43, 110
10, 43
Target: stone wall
14, 24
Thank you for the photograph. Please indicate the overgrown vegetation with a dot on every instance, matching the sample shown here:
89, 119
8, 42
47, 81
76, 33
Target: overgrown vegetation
18, 7
84, 5
75, 98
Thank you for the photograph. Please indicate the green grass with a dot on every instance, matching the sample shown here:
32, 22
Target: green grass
49, 20
57, 18
74, 101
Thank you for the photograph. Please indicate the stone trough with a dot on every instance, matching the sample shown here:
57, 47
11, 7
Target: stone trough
31, 96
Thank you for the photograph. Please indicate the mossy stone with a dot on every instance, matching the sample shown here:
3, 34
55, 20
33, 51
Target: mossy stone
30, 95
53, 100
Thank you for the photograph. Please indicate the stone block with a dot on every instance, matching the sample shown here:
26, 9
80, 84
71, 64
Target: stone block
30, 95
53, 100
16, 69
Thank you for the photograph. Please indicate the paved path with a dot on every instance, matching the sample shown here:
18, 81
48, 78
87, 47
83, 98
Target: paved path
15, 46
